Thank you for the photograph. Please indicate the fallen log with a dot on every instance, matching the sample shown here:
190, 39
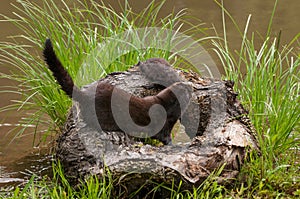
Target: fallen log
214, 131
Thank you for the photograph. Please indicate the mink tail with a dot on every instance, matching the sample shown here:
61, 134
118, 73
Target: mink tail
59, 72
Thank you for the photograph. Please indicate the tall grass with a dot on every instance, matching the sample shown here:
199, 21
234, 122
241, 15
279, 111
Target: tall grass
91, 39
270, 87
270, 90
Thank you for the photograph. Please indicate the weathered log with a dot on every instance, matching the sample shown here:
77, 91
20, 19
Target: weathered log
217, 131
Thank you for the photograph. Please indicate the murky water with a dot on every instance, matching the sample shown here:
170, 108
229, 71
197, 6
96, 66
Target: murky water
19, 159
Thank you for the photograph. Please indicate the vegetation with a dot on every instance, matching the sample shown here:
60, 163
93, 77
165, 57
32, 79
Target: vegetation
269, 89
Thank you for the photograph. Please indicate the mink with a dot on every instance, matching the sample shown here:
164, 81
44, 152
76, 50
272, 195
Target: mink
96, 103
159, 71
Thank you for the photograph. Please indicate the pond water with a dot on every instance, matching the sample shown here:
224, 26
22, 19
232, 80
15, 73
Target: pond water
18, 158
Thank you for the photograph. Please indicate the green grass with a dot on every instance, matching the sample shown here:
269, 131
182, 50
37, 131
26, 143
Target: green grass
269, 89
91, 39
91, 188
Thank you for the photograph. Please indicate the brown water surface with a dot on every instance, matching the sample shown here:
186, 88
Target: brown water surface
287, 19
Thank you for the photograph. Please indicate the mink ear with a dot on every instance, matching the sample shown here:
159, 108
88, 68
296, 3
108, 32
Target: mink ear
139, 63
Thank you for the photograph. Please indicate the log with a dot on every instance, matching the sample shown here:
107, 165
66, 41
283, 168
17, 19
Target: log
213, 131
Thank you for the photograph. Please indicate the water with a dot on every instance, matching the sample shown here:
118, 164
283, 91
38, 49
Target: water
19, 160
20, 171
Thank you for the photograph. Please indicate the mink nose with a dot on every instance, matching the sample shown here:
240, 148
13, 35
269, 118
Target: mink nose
168, 141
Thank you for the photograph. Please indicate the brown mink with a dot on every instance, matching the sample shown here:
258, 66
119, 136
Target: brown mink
99, 104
